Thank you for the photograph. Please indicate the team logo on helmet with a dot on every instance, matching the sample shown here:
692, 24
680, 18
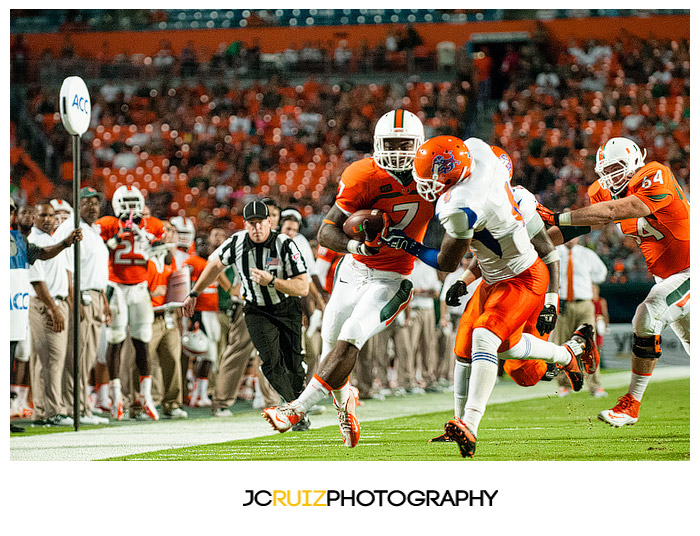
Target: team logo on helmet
442, 164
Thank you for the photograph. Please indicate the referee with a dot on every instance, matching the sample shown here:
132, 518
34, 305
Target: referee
273, 279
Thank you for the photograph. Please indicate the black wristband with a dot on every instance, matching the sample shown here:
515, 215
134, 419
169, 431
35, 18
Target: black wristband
568, 232
556, 219
271, 284
193, 294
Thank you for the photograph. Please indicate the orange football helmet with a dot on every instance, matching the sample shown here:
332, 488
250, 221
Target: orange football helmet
505, 158
441, 162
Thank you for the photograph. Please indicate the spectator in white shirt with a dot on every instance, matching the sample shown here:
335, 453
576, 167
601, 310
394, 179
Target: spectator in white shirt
94, 274
49, 320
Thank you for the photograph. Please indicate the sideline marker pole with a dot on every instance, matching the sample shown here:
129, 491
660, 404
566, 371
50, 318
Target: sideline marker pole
75, 109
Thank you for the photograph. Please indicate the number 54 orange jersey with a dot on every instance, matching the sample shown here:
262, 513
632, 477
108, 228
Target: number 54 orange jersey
365, 185
664, 235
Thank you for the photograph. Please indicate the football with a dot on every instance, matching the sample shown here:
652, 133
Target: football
354, 225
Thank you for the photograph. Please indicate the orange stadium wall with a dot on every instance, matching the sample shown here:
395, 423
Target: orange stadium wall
278, 39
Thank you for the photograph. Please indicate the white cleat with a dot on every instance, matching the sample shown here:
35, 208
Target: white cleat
347, 420
282, 418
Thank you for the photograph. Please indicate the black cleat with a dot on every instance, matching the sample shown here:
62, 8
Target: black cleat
302, 426
590, 357
442, 438
575, 379
458, 432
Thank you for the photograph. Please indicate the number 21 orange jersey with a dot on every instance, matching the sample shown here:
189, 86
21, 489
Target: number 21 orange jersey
365, 185
128, 262
664, 235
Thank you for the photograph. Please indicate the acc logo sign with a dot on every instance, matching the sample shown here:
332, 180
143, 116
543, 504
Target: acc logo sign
19, 301
75, 105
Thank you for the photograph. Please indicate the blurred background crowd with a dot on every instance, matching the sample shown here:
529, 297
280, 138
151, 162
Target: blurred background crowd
275, 106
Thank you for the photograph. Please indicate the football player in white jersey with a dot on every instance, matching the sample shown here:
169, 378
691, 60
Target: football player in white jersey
524, 372
475, 205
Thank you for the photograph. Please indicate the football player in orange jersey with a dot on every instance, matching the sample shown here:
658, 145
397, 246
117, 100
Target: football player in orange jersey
206, 315
647, 204
129, 236
372, 284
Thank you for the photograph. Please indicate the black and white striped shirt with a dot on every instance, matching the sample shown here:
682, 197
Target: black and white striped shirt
278, 255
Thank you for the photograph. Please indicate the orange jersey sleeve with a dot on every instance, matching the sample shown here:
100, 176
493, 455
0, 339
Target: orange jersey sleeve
664, 235
128, 262
158, 282
109, 226
365, 185
208, 300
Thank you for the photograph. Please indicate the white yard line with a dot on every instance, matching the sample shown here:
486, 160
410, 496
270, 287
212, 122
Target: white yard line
108, 442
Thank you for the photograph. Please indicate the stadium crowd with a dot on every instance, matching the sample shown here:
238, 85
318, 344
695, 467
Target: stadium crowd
200, 146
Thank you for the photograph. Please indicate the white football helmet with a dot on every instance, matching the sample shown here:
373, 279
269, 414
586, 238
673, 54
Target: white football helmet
185, 229
628, 157
195, 344
126, 199
397, 124
63, 210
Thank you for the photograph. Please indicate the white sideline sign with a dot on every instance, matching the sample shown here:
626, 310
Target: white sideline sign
75, 105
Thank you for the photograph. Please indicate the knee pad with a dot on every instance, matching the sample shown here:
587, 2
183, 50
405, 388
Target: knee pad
647, 347
485, 345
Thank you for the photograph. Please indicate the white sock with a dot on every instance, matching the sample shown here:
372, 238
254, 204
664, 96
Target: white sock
638, 384
461, 386
530, 347
102, 393
115, 390
202, 386
145, 383
483, 375
481, 383
315, 391
341, 395
23, 394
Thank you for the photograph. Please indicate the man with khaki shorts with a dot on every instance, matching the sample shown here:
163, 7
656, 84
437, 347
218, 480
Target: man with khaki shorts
580, 268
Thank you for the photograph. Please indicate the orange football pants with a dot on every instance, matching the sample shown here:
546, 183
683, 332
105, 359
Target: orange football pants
508, 308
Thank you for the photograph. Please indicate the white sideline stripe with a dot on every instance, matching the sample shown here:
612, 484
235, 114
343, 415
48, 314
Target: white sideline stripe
135, 439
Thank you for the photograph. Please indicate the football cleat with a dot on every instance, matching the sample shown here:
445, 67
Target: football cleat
347, 421
116, 411
442, 438
582, 342
625, 412
282, 418
575, 379
458, 432
148, 408
302, 426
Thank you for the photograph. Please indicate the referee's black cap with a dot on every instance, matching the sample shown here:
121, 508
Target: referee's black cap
255, 210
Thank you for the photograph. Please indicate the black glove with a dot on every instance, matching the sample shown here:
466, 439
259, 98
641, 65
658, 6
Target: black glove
547, 319
456, 290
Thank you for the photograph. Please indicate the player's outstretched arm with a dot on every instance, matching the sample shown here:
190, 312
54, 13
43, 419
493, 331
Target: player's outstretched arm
604, 212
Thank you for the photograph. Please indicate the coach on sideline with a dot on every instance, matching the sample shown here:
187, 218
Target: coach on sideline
273, 279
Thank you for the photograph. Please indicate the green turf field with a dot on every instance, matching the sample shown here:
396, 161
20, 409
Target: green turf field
539, 429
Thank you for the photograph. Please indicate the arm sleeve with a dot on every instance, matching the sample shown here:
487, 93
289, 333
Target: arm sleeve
654, 188
351, 192
459, 222
293, 259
